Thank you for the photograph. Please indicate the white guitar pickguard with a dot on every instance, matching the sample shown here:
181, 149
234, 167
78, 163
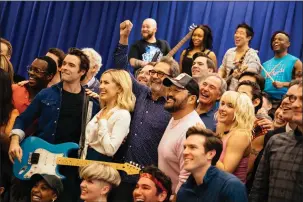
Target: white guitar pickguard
46, 164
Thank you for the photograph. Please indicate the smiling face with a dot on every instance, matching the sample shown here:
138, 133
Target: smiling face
194, 153
286, 104
280, 43
197, 37
176, 99
278, 120
210, 90
70, 70
37, 73
226, 112
199, 69
241, 37
93, 190
156, 84
144, 76
146, 191
297, 108
148, 29
109, 90
41, 192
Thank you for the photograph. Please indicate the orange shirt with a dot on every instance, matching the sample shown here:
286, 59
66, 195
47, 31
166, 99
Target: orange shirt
20, 98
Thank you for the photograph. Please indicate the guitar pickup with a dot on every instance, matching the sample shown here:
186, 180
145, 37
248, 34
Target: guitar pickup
35, 158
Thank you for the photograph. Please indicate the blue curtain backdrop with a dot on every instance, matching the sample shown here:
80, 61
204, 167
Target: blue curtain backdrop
33, 27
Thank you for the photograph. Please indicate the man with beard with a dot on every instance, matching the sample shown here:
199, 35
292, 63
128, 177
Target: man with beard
280, 172
181, 101
211, 90
149, 118
144, 50
239, 57
279, 68
40, 73
62, 112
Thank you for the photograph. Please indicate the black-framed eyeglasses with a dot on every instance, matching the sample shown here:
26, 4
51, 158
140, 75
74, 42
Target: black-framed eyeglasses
292, 98
35, 70
159, 73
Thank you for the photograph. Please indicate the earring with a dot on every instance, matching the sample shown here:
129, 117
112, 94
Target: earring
54, 199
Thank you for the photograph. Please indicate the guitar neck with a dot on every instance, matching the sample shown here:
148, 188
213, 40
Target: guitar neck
80, 162
178, 46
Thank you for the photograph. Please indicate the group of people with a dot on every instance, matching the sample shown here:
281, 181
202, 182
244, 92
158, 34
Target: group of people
202, 133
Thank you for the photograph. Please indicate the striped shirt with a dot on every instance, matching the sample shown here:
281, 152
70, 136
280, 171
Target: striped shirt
279, 177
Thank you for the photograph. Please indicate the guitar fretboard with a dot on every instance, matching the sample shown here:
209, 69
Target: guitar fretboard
80, 162
178, 46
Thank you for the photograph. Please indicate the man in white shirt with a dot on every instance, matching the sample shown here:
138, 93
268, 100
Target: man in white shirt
182, 96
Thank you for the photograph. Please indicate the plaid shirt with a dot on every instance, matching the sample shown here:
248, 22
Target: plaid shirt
279, 177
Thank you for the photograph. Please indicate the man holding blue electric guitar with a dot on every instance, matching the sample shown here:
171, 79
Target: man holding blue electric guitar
62, 112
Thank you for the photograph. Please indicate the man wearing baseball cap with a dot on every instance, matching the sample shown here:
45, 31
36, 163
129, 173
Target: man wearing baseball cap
46, 188
182, 96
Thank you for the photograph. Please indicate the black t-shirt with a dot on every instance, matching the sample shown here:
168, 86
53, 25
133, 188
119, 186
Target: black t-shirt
142, 50
70, 118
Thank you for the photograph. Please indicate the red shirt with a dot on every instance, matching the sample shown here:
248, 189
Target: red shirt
20, 98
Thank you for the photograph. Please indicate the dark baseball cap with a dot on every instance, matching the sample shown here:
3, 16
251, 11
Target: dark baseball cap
53, 182
183, 81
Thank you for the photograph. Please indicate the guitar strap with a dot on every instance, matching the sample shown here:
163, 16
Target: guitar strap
86, 110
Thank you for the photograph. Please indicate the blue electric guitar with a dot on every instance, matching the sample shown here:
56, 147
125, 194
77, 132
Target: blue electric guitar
43, 158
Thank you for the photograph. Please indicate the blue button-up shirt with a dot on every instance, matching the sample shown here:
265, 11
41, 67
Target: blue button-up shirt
148, 123
209, 118
217, 186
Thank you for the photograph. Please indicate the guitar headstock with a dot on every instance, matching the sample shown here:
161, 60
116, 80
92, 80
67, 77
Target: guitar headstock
132, 168
192, 27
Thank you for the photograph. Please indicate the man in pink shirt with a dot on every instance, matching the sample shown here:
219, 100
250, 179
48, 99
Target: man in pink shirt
181, 102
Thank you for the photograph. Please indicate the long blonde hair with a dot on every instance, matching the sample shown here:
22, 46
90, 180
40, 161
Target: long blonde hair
244, 115
7, 66
126, 98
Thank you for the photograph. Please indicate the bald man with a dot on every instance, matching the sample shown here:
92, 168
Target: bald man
279, 69
143, 51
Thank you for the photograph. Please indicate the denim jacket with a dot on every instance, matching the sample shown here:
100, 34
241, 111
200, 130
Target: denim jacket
46, 108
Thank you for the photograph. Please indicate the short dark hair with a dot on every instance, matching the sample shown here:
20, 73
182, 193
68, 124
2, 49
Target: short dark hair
84, 61
294, 82
249, 30
9, 46
256, 92
259, 79
274, 35
51, 64
209, 61
59, 53
162, 178
212, 142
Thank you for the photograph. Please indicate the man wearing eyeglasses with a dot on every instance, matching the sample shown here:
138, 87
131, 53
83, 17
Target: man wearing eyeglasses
62, 112
279, 175
40, 73
149, 118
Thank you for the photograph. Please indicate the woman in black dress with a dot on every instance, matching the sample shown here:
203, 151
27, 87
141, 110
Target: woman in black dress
201, 41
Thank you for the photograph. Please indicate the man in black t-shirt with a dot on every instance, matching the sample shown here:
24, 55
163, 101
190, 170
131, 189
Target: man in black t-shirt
143, 51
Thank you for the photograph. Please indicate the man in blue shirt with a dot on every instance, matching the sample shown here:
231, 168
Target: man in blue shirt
149, 118
211, 90
279, 69
202, 149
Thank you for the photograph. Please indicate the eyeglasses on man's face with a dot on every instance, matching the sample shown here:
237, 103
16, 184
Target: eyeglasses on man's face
35, 70
292, 98
159, 73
